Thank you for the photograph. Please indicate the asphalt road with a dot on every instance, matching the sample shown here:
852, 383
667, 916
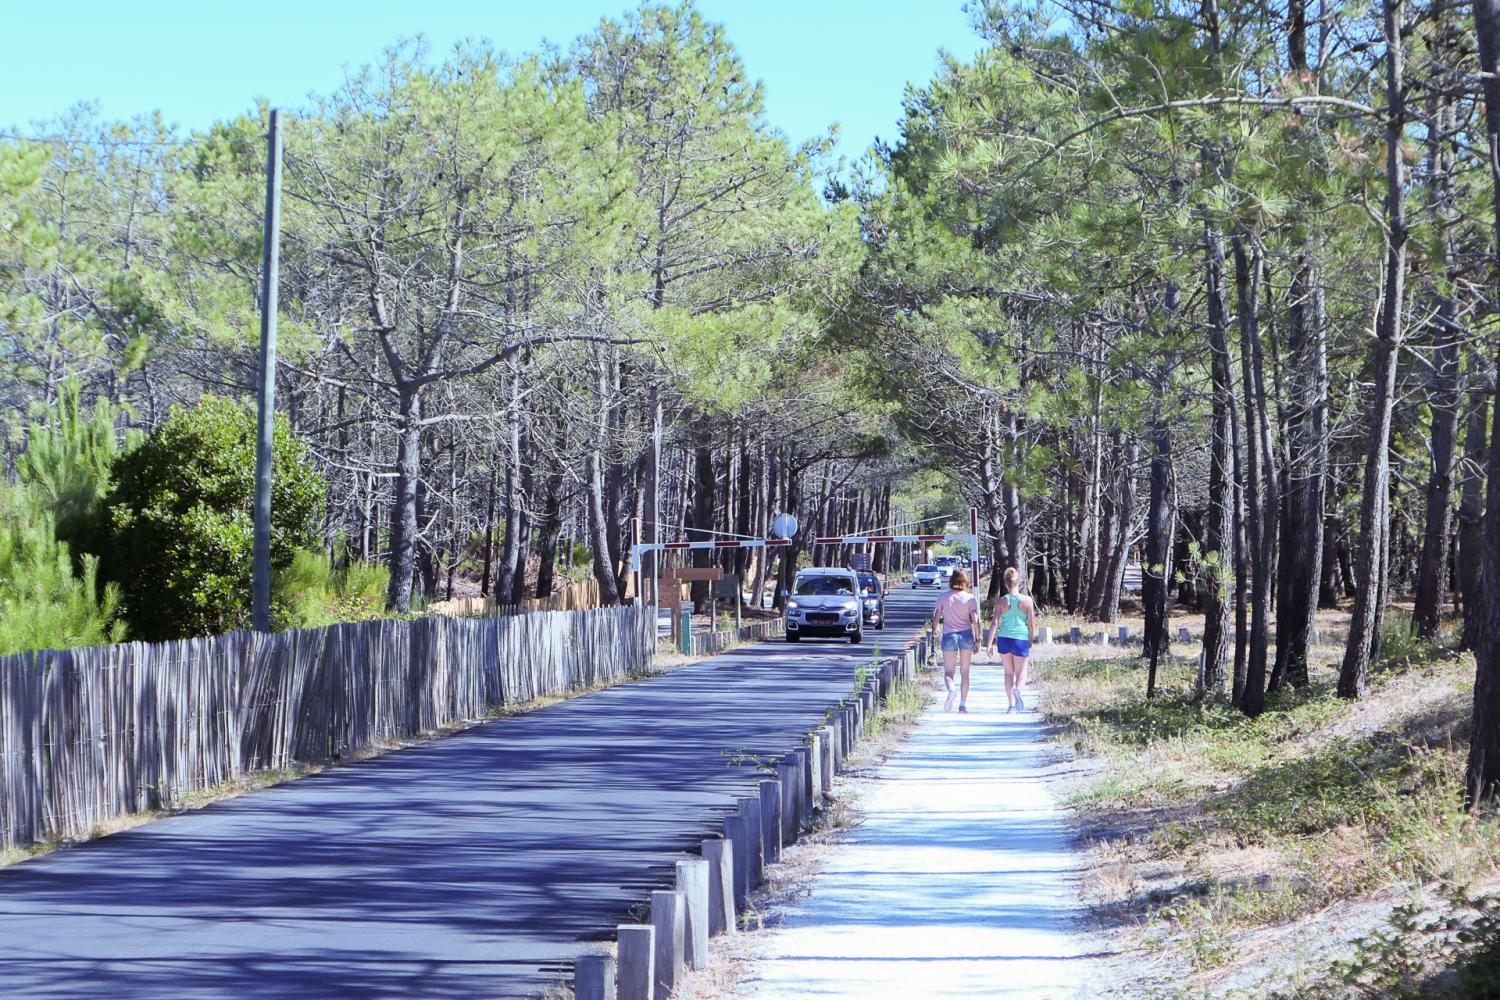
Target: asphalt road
477, 865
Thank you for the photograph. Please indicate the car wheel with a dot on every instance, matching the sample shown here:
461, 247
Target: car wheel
855, 637
792, 637
880, 627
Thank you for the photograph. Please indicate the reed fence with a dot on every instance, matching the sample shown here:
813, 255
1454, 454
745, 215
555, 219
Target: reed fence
87, 735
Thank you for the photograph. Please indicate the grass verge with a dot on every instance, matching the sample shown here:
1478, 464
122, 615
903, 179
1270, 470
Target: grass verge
1221, 840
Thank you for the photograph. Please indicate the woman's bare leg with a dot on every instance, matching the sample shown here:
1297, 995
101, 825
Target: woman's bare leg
966, 658
1010, 678
950, 659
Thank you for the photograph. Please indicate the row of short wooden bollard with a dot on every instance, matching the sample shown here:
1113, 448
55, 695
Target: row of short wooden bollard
650, 959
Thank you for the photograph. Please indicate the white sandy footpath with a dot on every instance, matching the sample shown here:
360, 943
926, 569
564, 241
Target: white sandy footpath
960, 882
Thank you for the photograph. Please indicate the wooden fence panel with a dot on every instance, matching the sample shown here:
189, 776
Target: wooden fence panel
90, 734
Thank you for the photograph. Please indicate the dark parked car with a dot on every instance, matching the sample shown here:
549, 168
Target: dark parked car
872, 596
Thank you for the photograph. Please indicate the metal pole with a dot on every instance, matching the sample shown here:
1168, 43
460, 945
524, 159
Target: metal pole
656, 508
260, 574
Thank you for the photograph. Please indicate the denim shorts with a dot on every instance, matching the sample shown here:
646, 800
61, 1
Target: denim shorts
1015, 647
958, 642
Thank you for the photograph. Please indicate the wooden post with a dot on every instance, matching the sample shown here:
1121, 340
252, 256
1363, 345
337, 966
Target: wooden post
720, 857
786, 773
738, 836
770, 820
825, 760
636, 947
692, 884
669, 918
812, 784
755, 860
594, 977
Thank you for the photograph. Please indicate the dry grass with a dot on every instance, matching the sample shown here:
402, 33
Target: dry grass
1213, 834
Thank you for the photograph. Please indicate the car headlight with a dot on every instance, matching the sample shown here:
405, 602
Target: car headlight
791, 605
870, 602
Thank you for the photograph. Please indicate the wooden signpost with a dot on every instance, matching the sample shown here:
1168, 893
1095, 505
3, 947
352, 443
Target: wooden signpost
672, 581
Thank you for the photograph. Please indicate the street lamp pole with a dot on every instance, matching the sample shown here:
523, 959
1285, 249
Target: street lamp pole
270, 264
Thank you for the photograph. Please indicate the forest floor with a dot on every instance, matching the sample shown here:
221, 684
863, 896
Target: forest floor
1318, 851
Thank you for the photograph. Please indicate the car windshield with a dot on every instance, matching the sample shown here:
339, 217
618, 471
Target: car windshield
926, 568
946, 560
823, 586
869, 583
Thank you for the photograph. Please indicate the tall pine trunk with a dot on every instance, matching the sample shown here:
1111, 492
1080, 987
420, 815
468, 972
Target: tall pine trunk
1432, 566
1301, 565
598, 504
1156, 568
404, 515
1470, 560
1261, 501
1483, 778
703, 515
1217, 555
549, 529
1364, 626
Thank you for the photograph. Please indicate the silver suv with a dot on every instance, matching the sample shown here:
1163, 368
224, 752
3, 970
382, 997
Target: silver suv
824, 601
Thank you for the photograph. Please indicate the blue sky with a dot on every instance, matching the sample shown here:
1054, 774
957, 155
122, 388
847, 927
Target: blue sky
822, 61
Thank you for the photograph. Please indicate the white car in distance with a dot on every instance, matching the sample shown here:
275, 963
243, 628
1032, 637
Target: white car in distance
927, 575
948, 565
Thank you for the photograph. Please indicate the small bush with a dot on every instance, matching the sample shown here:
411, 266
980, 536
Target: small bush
310, 593
1452, 953
43, 605
66, 466
181, 525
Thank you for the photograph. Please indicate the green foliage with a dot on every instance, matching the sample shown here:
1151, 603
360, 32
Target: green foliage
309, 592
67, 463
43, 605
1450, 950
180, 519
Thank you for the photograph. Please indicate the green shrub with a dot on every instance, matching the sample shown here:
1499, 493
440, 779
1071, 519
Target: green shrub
309, 592
43, 605
67, 465
181, 526
1449, 950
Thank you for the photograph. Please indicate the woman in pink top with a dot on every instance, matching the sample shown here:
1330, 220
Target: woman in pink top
957, 613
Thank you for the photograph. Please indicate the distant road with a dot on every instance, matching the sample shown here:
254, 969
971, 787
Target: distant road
474, 865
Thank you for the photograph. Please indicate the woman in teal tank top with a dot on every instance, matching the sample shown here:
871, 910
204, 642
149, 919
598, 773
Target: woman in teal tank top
1015, 615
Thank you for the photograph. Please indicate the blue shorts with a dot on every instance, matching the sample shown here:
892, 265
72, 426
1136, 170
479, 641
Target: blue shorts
1015, 647
958, 642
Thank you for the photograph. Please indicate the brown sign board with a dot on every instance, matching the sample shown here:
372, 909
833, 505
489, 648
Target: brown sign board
711, 574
